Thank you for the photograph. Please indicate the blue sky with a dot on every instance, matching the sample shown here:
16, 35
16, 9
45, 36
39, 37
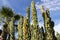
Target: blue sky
19, 7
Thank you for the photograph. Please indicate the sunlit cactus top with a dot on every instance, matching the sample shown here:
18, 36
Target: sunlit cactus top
47, 12
42, 8
28, 12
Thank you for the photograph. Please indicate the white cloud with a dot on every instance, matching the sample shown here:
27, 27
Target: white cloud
53, 5
57, 28
1, 27
45, 0
41, 24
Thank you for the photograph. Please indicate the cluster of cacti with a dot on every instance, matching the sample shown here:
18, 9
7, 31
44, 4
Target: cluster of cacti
26, 31
48, 24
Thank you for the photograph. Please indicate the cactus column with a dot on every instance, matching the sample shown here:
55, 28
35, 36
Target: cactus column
20, 28
11, 23
26, 26
51, 25
39, 34
28, 22
48, 24
34, 35
25, 30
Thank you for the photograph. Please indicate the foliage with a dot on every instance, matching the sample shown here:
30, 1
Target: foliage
17, 17
6, 12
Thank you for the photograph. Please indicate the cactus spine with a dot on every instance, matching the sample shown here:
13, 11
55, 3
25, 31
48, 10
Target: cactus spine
35, 22
11, 23
26, 26
20, 28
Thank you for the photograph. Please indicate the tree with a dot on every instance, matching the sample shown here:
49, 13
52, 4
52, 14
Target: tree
6, 13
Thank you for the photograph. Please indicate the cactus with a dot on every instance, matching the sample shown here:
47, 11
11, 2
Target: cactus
58, 36
39, 34
26, 26
25, 30
20, 28
28, 22
11, 29
48, 24
34, 35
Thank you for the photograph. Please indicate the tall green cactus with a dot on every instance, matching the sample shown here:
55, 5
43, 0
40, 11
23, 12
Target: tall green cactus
26, 27
20, 28
11, 23
39, 34
51, 25
25, 30
34, 35
28, 22
48, 24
